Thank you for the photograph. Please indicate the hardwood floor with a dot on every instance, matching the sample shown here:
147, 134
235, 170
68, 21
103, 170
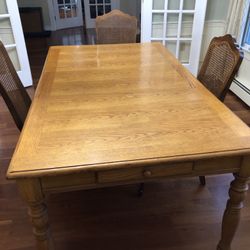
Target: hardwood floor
172, 214
38, 47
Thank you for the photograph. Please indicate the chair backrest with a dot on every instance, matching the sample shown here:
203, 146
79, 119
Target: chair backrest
220, 65
12, 90
116, 27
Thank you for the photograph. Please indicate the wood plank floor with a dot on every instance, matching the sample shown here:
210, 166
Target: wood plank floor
173, 214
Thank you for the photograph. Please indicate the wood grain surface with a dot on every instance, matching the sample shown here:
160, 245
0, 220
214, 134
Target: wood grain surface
172, 214
106, 106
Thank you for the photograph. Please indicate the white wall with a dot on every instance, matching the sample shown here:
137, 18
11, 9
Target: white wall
217, 9
131, 7
128, 6
38, 3
215, 23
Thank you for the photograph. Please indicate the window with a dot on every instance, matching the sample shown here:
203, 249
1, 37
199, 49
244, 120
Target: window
246, 34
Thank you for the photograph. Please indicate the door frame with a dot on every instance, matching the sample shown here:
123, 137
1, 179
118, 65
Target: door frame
19, 43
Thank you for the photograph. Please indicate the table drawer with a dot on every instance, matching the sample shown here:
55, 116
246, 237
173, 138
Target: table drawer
143, 173
70, 180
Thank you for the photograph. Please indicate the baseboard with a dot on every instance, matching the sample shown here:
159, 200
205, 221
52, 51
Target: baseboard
241, 91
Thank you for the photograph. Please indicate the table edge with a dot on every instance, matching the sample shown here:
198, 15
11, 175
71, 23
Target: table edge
122, 164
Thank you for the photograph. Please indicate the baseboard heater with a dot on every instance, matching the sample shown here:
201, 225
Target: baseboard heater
241, 91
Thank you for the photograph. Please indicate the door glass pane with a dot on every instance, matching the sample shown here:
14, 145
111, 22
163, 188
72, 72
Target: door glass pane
174, 4
74, 2
100, 10
172, 25
107, 8
6, 33
14, 58
61, 12
187, 25
68, 11
189, 4
157, 25
184, 53
60, 1
67, 1
157, 41
3, 7
92, 12
171, 46
158, 4
73, 9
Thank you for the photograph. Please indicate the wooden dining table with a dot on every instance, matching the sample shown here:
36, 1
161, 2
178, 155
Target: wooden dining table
106, 115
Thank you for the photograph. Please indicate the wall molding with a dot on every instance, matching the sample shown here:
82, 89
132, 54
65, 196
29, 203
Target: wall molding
241, 91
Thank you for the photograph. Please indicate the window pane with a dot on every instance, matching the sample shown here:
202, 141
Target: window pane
157, 25
100, 1
92, 12
187, 25
171, 46
107, 1
158, 4
172, 25
247, 36
184, 53
61, 12
92, 1
107, 8
60, 1
100, 10
157, 41
189, 5
67, 1
174, 4
74, 9
68, 11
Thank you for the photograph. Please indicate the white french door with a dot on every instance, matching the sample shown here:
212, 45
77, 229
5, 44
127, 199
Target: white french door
178, 24
11, 34
94, 8
68, 13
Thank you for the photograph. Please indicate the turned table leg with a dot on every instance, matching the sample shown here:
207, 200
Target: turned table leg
31, 192
231, 218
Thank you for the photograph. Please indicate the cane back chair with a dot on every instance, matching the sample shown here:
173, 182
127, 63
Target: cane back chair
12, 90
220, 65
219, 68
116, 27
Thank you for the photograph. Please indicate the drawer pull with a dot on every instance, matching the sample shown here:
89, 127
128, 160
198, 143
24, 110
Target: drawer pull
147, 173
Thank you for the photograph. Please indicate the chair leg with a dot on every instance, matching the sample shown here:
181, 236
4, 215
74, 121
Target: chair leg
202, 180
140, 191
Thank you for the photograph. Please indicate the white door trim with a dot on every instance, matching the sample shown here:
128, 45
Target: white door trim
25, 73
51, 15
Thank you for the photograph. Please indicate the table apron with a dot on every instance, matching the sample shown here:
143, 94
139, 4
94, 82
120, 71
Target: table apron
129, 175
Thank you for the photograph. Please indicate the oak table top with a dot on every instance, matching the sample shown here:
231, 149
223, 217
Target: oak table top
116, 114
107, 106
